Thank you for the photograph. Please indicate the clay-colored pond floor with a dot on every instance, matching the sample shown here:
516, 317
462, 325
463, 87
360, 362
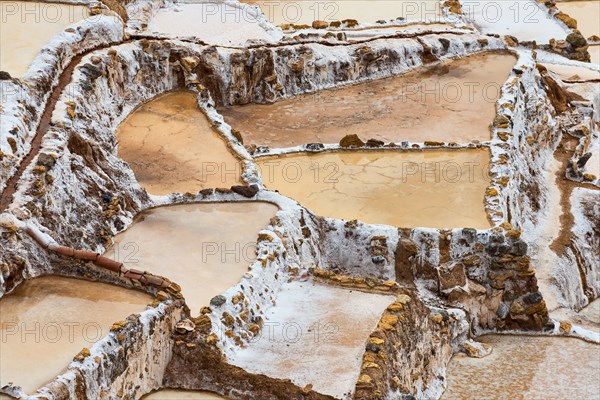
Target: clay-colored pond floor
172, 147
46, 321
210, 22
205, 248
307, 11
435, 188
26, 27
451, 102
587, 14
168, 394
527, 367
315, 334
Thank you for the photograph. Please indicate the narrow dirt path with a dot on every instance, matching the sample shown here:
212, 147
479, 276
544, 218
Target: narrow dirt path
11, 187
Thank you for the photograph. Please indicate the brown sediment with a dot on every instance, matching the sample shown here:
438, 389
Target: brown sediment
172, 147
432, 188
45, 321
452, 101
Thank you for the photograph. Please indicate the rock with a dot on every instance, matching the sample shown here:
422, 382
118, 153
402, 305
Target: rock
589, 177
532, 298
565, 326
583, 160
451, 276
85, 352
314, 146
518, 248
568, 21
502, 311
491, 191
218, 301
184, 326
501, 121
496, 246
320, 24
189, 63
4, 76
227, 319
92, 71
307, 389
46, 160
244, 190
476, 349
576, 40
594, 38
351, 141
375, 143
350, 23
511, 41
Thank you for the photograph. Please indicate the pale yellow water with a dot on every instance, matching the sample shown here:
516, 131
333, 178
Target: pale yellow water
169, 394
435, 188
172, 147
210, 22
452, 102
25, 27
46, 321
315, 335
205, 248
307, 11
527, 368
572, 73
587, 14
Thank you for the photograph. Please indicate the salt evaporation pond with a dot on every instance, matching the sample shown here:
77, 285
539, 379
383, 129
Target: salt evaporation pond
450, 102
587, 14
172, 147
365, 11
27, 26
46, 321
524, 19
572, 73
527, 367
205, 248
430, 188
211, 22
169, 394
317, 336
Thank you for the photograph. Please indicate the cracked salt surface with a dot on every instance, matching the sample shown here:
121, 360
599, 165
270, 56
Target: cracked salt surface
27, 26
205, 248
526, 367
315, 334
46, 321
171, 147
430, 188
450, 102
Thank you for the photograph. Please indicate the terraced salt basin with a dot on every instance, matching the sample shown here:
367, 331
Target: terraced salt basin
527, 367
211, 22
46, 321
171, 147
430, 188
524, 19
26, 27
168, 394
450, 102
307, 11
587, 14
205, 248
315, 328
